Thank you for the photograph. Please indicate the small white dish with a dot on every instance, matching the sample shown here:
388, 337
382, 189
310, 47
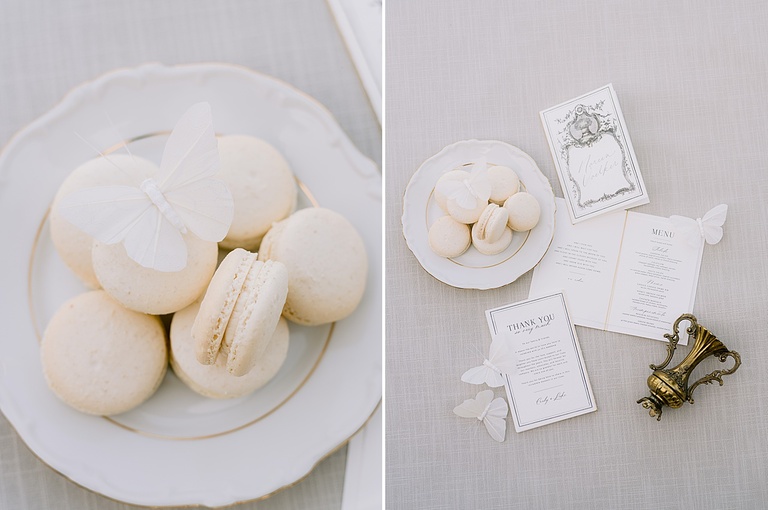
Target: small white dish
179, 448
473, 270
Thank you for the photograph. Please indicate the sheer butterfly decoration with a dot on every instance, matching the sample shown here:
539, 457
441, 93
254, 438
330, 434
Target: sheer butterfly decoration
491, 412
709, 228
471, 192
500, 360
151, 218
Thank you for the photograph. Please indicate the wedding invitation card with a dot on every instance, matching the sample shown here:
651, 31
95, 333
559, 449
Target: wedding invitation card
550, 381
625, 272
593, 155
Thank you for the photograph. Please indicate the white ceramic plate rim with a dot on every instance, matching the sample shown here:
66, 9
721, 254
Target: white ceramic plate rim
418, 192
231, 472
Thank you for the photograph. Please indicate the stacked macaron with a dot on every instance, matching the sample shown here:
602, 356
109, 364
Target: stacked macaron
482, 208
104, 352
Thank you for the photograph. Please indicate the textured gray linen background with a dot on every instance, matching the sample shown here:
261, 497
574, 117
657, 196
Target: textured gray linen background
48, 47
692, 79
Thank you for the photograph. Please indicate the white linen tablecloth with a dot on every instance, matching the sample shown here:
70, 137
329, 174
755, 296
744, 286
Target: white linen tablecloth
48, 47
692, 79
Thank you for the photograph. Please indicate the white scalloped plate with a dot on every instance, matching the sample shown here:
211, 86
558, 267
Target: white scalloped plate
473, 270
179, 448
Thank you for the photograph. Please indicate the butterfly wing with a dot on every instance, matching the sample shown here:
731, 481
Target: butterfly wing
495, 420
106, 213
113, 214
155, 243
190, 160
205, 207
191, 152
470, 408
502, 355
712, 223
716, 215
480, 183
687, 228
459, 192
483, 375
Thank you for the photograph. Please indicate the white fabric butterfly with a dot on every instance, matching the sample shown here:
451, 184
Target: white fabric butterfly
500, 360
709, 228
469, 193
492, 412
151, 218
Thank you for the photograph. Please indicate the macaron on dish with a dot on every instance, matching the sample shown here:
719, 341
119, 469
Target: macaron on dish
524, 211
471, 181
440, 190
215, 380
252, 429
154, 292
490, 226
262, 185
326, 262
476, 199
504, 183
487, 247
240, 311
72, 244
449, 238
101, 358
465, 195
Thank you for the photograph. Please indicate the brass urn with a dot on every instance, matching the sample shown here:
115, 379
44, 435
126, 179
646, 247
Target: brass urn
670, 386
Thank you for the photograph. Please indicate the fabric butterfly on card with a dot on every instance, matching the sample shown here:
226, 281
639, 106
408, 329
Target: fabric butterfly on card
151, 218
492, 412
500, 360
709, 228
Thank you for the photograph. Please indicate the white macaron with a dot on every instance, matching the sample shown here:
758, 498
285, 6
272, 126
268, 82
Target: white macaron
262, 185
72, 244
491, 224
491, 248
453, 175
448, 238
215, 381
240, 311
326, 261
102, 358
504, 183
524, 211
155, 292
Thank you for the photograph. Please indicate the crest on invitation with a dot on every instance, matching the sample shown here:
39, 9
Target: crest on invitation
589, 130
593, 155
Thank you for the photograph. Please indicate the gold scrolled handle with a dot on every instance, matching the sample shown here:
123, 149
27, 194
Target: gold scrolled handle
717, 374
675, 337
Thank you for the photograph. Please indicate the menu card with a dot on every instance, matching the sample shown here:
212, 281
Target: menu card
593, 155
625, 272
549, 382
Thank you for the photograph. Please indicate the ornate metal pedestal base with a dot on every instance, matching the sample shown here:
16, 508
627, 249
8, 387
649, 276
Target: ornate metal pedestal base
670, 386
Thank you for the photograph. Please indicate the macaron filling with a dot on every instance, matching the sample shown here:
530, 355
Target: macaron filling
233, 294
254, 282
